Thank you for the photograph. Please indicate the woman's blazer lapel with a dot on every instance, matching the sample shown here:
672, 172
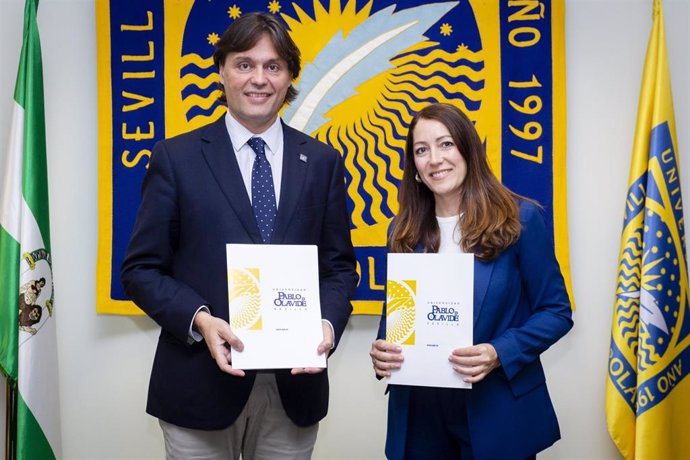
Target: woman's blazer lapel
482, 276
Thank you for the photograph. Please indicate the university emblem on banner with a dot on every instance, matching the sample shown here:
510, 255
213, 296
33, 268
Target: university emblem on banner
368, 67
651, 297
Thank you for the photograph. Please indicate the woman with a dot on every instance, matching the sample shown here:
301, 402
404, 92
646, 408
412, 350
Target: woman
450, 201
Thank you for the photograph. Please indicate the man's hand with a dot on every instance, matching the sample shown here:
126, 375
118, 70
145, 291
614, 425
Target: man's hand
475, 362
324, 347
219, 340
385, 356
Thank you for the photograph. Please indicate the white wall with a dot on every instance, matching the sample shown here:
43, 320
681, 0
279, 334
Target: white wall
105, 360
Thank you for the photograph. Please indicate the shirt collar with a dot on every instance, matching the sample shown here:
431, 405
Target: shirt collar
239, 135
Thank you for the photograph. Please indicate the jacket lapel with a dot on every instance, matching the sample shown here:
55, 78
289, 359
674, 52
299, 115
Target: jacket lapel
219, 154
295, 164
482, 275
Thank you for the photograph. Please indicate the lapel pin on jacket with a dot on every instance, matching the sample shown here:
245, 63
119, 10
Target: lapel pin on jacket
302, 158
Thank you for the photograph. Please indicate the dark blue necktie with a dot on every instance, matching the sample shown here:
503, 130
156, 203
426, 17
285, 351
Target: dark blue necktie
263, 192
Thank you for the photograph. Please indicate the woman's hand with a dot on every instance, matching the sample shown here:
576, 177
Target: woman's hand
474, 362
385, 356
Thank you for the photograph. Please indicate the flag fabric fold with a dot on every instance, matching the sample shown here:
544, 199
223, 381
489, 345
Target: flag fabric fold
28, 355
647, 394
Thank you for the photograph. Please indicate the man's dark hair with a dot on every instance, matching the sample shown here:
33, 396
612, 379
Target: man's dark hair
246, 31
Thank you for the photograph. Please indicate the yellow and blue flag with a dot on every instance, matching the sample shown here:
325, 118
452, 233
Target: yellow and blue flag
647, 394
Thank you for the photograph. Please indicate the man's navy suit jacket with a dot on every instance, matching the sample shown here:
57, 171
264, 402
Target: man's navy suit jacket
193, 203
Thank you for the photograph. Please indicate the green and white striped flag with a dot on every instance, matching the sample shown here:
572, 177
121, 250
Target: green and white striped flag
28, 354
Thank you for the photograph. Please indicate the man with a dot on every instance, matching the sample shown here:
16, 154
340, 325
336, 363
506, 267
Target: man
216, 185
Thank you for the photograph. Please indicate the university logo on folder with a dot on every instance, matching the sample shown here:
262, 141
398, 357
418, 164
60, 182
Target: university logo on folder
647, 392
368, 66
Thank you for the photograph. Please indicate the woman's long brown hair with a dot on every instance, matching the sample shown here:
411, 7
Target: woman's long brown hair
490, 215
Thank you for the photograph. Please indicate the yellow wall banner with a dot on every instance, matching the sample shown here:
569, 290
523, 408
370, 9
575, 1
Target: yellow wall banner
368, 66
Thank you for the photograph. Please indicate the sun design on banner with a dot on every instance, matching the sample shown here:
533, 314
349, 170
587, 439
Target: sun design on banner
400, 311
651, 296
244, 298
365, 73
362, 85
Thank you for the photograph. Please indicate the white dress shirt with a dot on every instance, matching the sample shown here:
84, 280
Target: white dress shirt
273, 137
450, 235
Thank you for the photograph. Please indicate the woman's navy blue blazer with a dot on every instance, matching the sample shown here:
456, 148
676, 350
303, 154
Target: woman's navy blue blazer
521, 307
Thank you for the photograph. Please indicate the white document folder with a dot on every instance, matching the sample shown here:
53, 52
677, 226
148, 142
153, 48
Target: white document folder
273, 293
429, 301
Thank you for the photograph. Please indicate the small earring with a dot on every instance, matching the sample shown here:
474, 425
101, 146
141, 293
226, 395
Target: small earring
416, 177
